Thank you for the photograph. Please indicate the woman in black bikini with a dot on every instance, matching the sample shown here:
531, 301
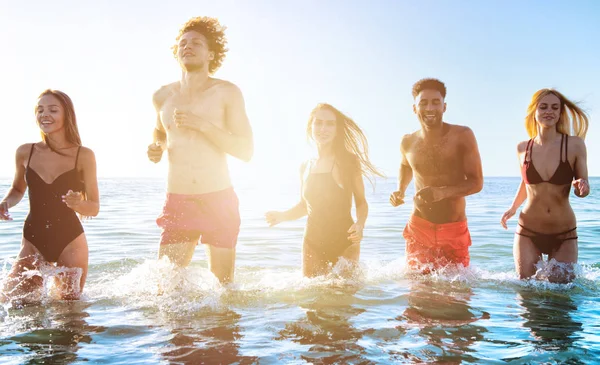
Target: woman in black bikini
61, 177
551, 161
328, 185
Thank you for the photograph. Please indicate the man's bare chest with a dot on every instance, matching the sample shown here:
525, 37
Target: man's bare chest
430, 159
206, 106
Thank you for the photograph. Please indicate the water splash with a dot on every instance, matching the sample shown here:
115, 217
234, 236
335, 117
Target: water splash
46, 283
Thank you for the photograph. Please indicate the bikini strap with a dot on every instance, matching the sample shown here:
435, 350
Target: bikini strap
30, 154
566, 148
562, 142
528, 150
77, 156
333, 165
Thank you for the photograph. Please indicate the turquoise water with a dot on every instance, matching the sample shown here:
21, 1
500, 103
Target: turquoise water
482, 315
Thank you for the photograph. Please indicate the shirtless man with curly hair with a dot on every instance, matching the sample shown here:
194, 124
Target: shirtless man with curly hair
200, 120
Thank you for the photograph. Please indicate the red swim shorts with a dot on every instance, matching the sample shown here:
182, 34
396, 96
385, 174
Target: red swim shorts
213, 216
437, 244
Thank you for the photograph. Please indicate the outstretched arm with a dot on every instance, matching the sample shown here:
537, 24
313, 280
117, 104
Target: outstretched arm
299, 210
296, 212
19, 185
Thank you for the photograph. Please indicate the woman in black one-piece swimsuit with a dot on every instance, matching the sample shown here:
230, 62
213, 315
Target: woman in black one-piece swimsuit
61, 177
328, 185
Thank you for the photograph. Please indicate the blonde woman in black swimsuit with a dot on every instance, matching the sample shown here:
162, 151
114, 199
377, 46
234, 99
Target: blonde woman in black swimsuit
551, 162
61, 177
328, 185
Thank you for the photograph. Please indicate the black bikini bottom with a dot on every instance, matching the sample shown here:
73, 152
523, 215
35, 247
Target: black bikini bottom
546, 243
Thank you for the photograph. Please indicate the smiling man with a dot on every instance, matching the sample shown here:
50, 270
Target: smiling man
200, 120
445, 162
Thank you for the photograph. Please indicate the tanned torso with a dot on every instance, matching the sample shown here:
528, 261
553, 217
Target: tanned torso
438, 164
196, 165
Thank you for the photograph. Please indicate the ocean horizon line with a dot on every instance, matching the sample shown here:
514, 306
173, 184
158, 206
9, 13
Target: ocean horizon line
164, 177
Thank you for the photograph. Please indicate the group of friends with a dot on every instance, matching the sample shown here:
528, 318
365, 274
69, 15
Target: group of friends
201, 119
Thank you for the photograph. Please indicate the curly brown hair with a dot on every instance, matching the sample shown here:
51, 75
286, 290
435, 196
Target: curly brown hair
215, 36
429, 84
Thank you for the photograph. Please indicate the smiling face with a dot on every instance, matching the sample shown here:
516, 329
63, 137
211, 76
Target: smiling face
547, 112
324, 127
192, 51
50, 114
429, 107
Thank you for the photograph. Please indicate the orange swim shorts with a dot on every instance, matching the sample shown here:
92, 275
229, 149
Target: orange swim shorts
437, 244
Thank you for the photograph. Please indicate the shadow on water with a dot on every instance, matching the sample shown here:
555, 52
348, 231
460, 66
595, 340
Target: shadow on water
326, 331
207, 338
554, 331
48, 334
442, 322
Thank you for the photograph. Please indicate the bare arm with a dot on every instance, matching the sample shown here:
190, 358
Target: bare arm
19, 185
471, 167
159, 134
405, 174
237, 140
521, 192
296, 212
89, 206
519, 197
299, 210
362, 207
582, 185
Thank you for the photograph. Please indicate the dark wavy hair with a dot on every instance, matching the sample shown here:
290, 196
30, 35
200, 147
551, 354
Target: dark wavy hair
429, 84
350, 146
70, 122
214, 33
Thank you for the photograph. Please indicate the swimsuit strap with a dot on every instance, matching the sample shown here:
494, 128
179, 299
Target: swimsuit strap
30, 154
77, 156
566, 138
528, 150
545, 234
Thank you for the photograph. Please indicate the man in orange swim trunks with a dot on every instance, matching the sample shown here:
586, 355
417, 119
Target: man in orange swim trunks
445, 162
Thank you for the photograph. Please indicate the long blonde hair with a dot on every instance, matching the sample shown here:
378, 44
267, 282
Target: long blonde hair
572, 117
350, 147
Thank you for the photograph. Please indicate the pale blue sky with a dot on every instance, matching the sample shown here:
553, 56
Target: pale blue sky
286, 56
